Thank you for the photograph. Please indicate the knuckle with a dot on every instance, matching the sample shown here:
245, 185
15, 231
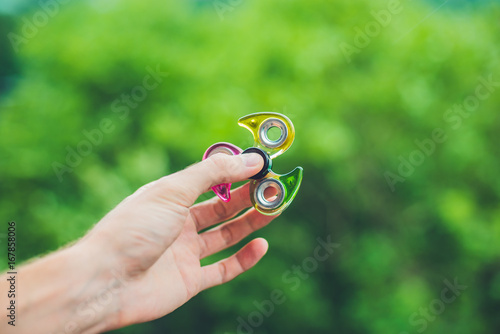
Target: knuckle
227, 234
165, 182
224, 166
223, 272
219, 160
194, 212
220, 209
204, 250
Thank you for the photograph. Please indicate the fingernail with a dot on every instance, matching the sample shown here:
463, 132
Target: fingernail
252, 159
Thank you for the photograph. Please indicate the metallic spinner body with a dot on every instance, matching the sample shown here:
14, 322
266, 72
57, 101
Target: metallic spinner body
285, 186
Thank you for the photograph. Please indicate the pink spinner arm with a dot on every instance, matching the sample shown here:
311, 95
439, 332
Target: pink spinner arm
222, 190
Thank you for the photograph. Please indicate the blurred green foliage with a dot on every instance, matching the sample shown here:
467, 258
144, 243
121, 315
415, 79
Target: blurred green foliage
353, 120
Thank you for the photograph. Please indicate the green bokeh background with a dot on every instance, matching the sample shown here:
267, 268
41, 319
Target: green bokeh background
354, 118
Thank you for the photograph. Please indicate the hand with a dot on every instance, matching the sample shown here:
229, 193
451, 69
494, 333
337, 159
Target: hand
153, 238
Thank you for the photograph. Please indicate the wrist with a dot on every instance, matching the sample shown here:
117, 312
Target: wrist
98, 303
73, 290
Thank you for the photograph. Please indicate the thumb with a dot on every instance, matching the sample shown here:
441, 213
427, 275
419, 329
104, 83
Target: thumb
187, 185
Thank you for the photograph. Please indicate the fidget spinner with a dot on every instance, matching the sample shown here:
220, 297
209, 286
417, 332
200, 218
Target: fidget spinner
285, 186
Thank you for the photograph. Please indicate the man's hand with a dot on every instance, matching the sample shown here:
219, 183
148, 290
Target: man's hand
153, 238
142, 260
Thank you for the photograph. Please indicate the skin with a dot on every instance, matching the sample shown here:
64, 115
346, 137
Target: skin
142, 260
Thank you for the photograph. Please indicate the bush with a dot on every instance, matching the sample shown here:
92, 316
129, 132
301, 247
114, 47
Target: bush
367, 84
